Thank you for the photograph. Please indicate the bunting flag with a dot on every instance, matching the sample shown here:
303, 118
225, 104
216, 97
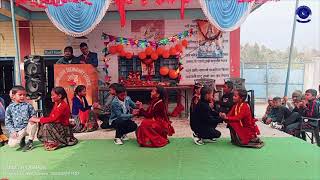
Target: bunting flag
142, 43
78, 19
226, 15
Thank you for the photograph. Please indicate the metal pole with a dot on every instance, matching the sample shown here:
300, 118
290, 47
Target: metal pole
291, 49
17, 75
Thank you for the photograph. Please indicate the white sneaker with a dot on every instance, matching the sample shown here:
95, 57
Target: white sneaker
213, 140
118, 141
197, 140
125, 137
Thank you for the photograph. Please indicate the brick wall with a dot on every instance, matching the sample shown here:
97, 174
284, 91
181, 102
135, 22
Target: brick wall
44, 35
7, 47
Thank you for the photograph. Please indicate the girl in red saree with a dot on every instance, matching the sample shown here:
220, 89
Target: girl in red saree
243, 128
155, 129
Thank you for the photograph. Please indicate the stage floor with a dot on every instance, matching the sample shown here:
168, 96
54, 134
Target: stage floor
281, 158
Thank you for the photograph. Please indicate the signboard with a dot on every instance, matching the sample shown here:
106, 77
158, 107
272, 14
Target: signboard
52, 52
70, 76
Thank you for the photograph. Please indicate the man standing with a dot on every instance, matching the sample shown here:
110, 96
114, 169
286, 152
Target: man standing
68, 57
88, 57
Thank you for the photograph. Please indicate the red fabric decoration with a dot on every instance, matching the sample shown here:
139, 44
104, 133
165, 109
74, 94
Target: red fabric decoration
165, 54
142, 55
148, 51
173, 51
173, 74
113, 49
184, 43
154, 56
129, 55
120, 5
147, 61
119, 48
164, 70
160, 51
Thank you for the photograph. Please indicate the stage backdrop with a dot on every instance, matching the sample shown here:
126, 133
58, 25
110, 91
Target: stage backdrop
69, 76
207, 55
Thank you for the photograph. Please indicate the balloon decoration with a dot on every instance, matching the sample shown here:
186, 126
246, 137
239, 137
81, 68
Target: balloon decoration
143, 43
113, 49
142, 55
148, 51
184, 43
129, 55
164, 70
154, 56
165, 54
173, 74
119, 48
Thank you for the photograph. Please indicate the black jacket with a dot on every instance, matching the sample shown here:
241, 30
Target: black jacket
203, 116
225, 104
279, 114
92, 59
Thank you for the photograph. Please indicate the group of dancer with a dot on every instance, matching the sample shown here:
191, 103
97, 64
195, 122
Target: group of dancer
56, 130
233, 109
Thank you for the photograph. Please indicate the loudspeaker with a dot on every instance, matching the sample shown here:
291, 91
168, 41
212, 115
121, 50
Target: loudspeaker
34, 70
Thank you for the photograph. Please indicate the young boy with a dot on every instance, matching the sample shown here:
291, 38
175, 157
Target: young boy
204, 120
106, 108
17, 118
226, 102
312, 108
121, 117
243, 129
268, 110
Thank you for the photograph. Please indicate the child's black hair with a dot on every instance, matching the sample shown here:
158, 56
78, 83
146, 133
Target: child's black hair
78, 89
313, 92
204, 91
15, 89
229, 84
242, 93
120, 89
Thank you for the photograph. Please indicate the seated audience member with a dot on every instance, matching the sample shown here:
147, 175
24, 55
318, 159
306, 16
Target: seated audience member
312, 108
155, 129
268, 110
226, 102
104, 115
290, 104
68, 57
55, 131
243, 128
122, 111
88, 57
18, 120
84, 117
204, 120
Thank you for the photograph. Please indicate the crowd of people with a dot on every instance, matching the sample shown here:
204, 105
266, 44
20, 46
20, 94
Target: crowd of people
57, 130
287, 115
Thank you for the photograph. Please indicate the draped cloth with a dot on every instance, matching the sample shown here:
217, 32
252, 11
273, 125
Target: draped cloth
78, 19
226, 15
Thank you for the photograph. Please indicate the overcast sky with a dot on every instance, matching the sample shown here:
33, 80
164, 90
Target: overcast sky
271, 25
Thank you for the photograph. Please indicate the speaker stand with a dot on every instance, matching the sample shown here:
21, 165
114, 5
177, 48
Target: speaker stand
39, 108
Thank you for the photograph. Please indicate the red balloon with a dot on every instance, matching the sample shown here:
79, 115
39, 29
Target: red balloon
178, 48
113, 49
154, 56
184, 43
173, 74
164, 70
119, 48
129, 55
122, 53
173, 51
142, 55
165, 54
160, 51
148, 51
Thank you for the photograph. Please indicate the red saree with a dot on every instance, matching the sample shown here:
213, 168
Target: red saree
241, 120
155, 129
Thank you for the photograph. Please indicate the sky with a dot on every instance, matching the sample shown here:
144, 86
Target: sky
271, 25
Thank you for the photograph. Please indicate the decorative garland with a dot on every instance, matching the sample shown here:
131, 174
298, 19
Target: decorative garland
143, 43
